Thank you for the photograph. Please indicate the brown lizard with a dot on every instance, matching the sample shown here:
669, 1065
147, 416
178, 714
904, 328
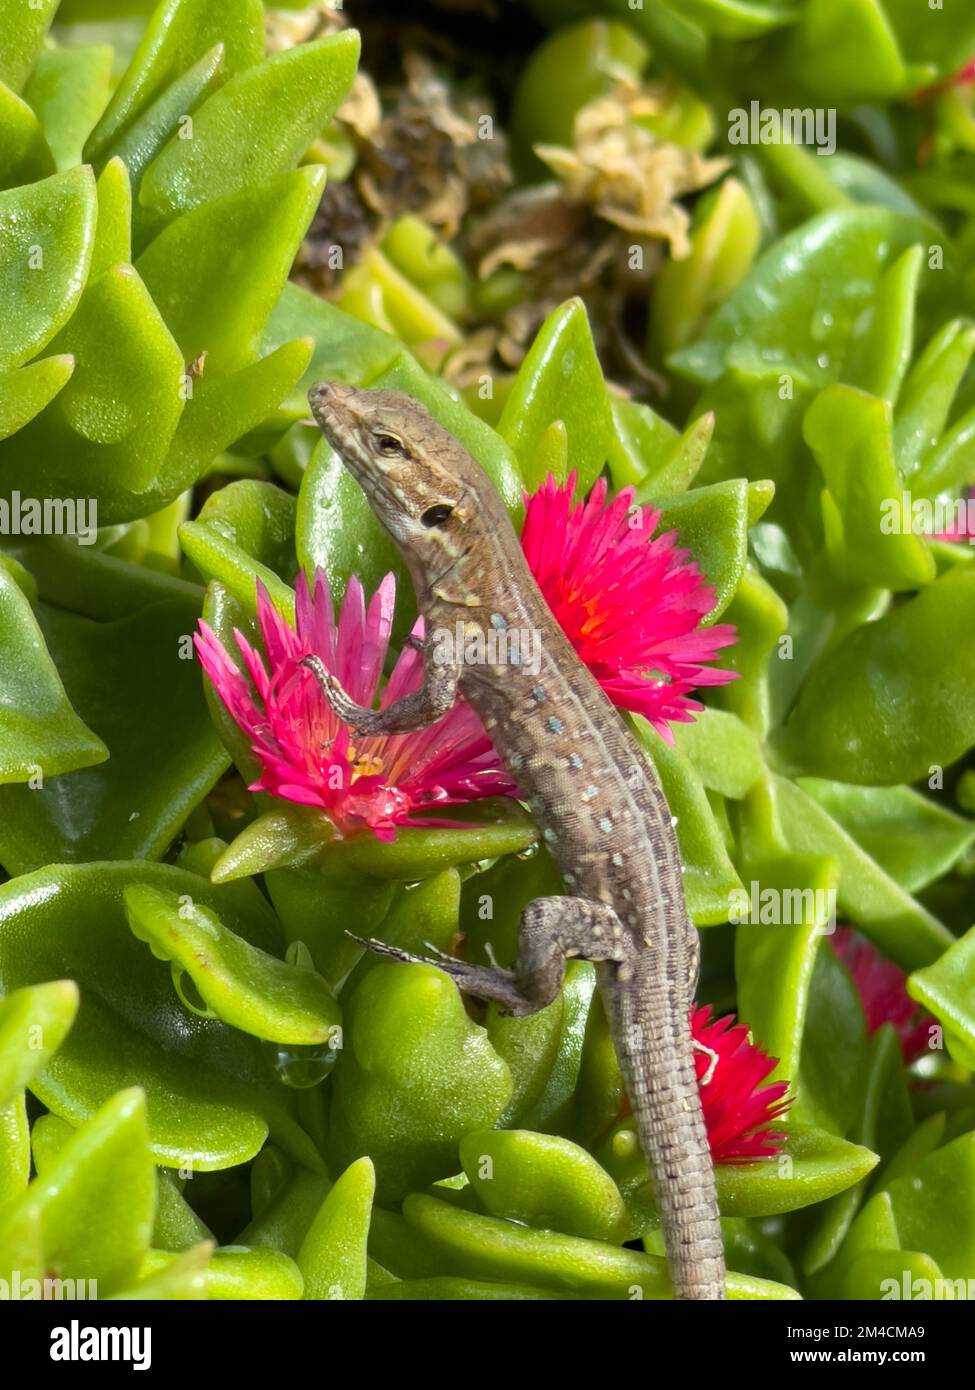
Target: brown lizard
600, 807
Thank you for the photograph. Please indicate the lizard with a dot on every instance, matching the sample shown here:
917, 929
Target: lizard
599, 805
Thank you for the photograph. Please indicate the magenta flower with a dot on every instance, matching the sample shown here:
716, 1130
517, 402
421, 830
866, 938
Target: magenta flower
308, 755
738, 1109
630, 603
882, 987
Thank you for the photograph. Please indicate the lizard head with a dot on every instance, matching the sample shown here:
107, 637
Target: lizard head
424, 487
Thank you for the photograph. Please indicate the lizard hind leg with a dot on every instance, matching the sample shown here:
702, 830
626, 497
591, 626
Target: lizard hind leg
553, 930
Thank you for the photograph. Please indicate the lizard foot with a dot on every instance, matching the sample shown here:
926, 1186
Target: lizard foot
496, 985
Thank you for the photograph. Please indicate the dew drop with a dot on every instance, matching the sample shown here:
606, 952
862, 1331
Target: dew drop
301, 1067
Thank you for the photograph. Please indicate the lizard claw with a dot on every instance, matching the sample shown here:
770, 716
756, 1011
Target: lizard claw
496, 986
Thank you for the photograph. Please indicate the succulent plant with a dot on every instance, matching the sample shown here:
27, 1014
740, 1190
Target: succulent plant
206, 1088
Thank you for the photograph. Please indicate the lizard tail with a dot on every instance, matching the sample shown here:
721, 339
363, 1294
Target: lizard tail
662, 1085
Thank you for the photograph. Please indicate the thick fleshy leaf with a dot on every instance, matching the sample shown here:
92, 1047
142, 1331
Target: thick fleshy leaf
210, 1090
723, 247
24, 153
182, 1278
179, 33
712, 523
40, 733
851, 436
929, 391
220, 411
889, 702
947, 988
415, 1075
47, 230
774, 960
813, 1166
899, 926
560, 379
113, 238
908, 835
332, 1258
832, 1074
878, 361
144, 139
345, 348
674, 465
485, 829
23, 29
15, 1164
245, 534
934, 1207
24, 393
115, 418
801, 308
544, 1181
105, 1167
33, 1023
163, 754
760, 618
68, 91
724, 751
817, 52
86, 580
883, 1120
494, 1249
237, 982
216, 272
289, 98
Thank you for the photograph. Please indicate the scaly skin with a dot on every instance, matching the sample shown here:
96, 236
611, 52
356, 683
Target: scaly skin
599, 805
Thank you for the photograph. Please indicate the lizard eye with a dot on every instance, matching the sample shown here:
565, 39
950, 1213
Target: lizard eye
436, 516
391, 447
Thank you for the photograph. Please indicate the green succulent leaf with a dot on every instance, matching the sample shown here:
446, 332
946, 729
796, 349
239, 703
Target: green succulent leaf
179, 33
41, 735
47, 230
34, 1021
457, 1082
23, 29
887, 704
133, 804
218, 303
332, 1258
211, 1093
289, 98
239, 983
106, 1167
560, 379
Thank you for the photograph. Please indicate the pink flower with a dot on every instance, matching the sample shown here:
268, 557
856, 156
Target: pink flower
737, 1110
308, 755
629, 603
881, 986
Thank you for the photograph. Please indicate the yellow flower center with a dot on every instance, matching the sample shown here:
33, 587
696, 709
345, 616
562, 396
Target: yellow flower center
364, 764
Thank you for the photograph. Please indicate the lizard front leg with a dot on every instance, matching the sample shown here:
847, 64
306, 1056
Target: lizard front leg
553, 930
423, 707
